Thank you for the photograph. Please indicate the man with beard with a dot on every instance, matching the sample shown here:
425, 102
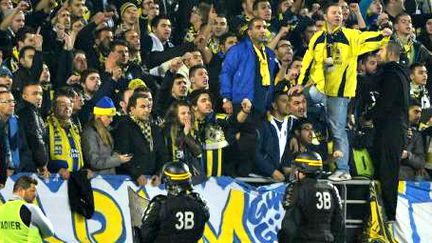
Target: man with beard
390, 119
284, 55
34, 125
96, 47
219, 27
134, 44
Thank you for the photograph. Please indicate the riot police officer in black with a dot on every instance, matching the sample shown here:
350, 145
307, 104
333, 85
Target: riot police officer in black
178, 217
313, 208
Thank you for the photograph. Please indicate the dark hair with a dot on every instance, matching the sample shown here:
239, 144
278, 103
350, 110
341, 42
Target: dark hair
27, 84
24, 49
22, 33
300, 122
194, 95
252, 22
363, 58
295, 94
24, 182
256, 2
99, 32
416, 65
66, 91
155, 21
399, 16
225, 36
328, 5
414, 102
133, 100
195, 68
172, 112
118, 42
317, 16
86, 73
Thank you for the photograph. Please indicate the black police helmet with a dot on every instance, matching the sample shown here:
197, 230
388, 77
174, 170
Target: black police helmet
308, 162
176, 173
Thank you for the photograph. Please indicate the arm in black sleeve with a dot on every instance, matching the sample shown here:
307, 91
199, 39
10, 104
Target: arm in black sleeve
337, 224
292, 218
161, 151
64, 69
37, 66
85, 39
35, 140
150, 223
25, 215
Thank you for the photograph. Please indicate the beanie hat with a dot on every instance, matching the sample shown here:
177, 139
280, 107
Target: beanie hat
104, 107
126, 6
4, 71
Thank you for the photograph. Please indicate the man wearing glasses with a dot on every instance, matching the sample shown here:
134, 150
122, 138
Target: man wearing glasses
15, 153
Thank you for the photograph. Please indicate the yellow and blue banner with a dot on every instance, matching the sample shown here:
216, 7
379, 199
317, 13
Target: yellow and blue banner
238, 212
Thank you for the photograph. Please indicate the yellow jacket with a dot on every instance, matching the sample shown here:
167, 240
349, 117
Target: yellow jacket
345, 46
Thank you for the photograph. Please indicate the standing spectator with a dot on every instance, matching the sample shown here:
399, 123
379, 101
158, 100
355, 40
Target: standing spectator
390, 119
31, 65
16, 153
419, 78
22, 221
413, 157
180, 138
273, 140
412, 50
392, 8
97, 142
198, 77
34, 125
64, 139
137, 135
331, 64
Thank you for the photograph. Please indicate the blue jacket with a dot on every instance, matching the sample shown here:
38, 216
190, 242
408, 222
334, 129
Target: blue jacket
267, 152
237, 77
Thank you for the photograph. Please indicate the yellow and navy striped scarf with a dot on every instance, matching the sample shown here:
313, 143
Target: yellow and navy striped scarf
61, 149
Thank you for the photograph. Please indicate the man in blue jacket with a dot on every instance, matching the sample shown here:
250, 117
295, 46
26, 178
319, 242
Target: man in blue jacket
248, 72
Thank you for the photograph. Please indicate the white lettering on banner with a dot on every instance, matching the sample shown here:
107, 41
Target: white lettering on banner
237, 213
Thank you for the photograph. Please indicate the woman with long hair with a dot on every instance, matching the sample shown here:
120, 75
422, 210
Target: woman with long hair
97, 142
180, 138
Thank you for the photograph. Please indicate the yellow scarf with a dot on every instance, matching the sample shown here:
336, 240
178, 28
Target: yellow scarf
60, 147
264, 67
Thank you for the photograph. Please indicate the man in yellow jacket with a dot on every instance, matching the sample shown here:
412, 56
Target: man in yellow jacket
20, 220
330, 68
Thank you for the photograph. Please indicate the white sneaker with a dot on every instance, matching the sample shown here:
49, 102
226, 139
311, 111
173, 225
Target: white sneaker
340, 175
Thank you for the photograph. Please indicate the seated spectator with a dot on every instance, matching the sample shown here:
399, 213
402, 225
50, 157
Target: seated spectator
64, 139
180, 138
273, 139
16, 153
413, 157
34, 125
97, 142
137, 135
418, 91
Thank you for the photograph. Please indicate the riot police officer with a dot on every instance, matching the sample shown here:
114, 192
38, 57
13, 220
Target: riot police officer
178, 217
313, 208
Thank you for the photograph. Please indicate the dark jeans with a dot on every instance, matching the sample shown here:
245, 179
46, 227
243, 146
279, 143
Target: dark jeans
389, 141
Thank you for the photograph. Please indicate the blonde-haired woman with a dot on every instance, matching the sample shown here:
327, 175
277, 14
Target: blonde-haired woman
97, 142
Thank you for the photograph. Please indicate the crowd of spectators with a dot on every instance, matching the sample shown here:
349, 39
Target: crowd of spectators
235, 88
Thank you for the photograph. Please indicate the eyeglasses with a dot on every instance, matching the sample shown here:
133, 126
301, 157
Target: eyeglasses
7, 101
